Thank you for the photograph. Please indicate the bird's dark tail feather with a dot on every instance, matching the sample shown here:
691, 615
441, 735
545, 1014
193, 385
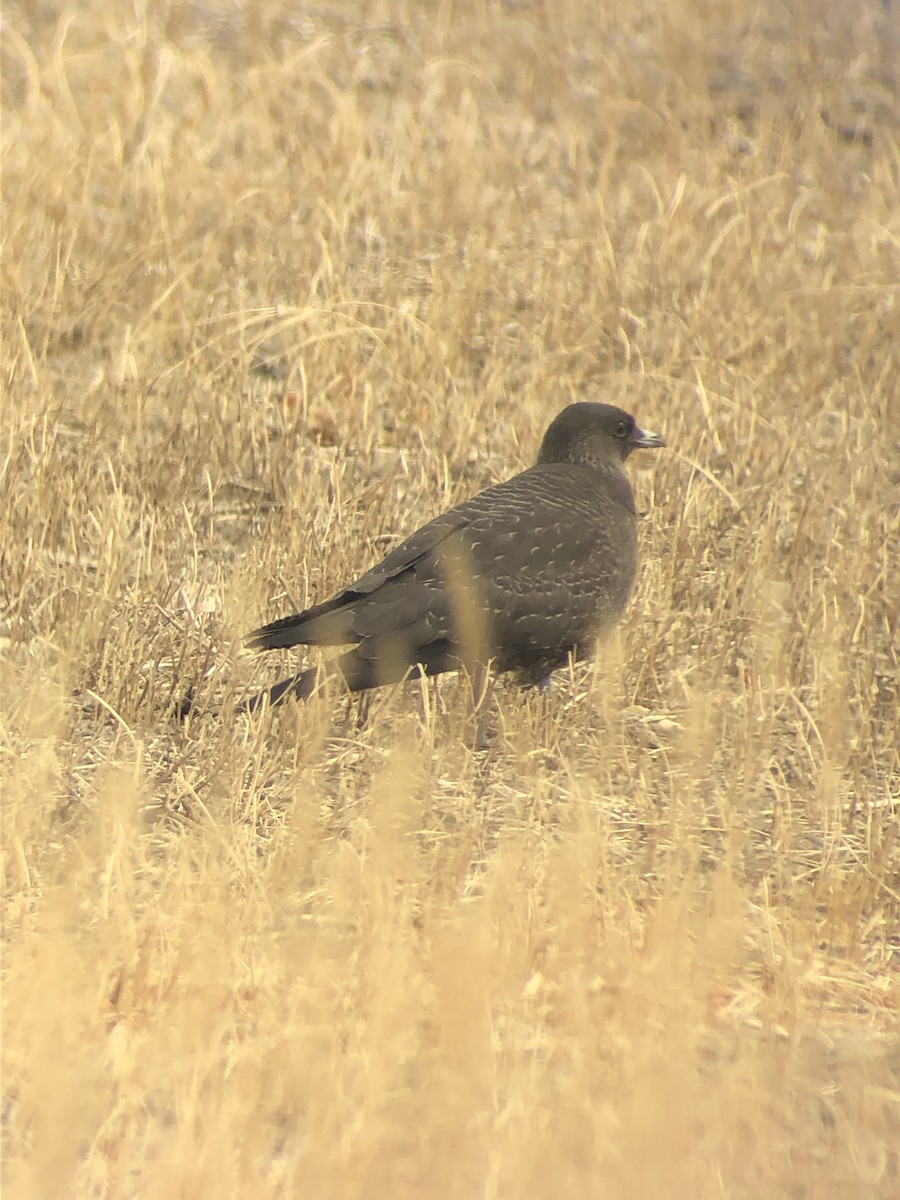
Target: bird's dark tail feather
297, 687
350, 671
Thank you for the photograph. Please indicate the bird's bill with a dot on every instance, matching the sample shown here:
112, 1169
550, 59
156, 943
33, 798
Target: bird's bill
646, 439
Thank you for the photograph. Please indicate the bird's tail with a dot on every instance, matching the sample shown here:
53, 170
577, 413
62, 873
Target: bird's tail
297, 687
351, 671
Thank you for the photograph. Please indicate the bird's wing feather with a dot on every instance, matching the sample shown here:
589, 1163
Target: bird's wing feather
334, 621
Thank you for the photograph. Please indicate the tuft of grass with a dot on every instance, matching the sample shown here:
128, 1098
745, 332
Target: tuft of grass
277, 286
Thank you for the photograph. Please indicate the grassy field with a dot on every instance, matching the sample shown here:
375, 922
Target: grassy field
281, 281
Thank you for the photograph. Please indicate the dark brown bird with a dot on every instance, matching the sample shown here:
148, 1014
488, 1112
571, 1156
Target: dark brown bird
520, 576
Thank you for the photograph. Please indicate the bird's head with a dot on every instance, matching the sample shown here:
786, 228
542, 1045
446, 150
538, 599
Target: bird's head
594, 435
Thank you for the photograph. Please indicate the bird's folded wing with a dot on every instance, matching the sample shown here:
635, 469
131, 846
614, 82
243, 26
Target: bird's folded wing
408, 553
338, 620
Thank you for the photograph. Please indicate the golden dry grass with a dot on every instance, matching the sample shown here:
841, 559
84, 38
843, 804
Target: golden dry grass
280, 282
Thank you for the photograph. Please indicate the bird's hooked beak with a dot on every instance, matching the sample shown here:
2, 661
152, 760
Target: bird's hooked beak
642, 439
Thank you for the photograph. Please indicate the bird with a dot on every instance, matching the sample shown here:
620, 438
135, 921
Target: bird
517, 578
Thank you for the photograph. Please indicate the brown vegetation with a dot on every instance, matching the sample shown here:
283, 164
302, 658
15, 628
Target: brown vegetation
281, 281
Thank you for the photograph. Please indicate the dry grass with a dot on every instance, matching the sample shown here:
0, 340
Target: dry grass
276, 288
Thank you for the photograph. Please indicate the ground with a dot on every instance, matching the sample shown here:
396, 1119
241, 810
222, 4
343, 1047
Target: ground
281, 282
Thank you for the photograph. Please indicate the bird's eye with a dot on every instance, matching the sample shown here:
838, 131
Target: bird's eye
621, 429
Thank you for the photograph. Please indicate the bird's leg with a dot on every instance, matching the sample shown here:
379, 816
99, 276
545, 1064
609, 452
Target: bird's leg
363, 704
481, 686
482, 694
